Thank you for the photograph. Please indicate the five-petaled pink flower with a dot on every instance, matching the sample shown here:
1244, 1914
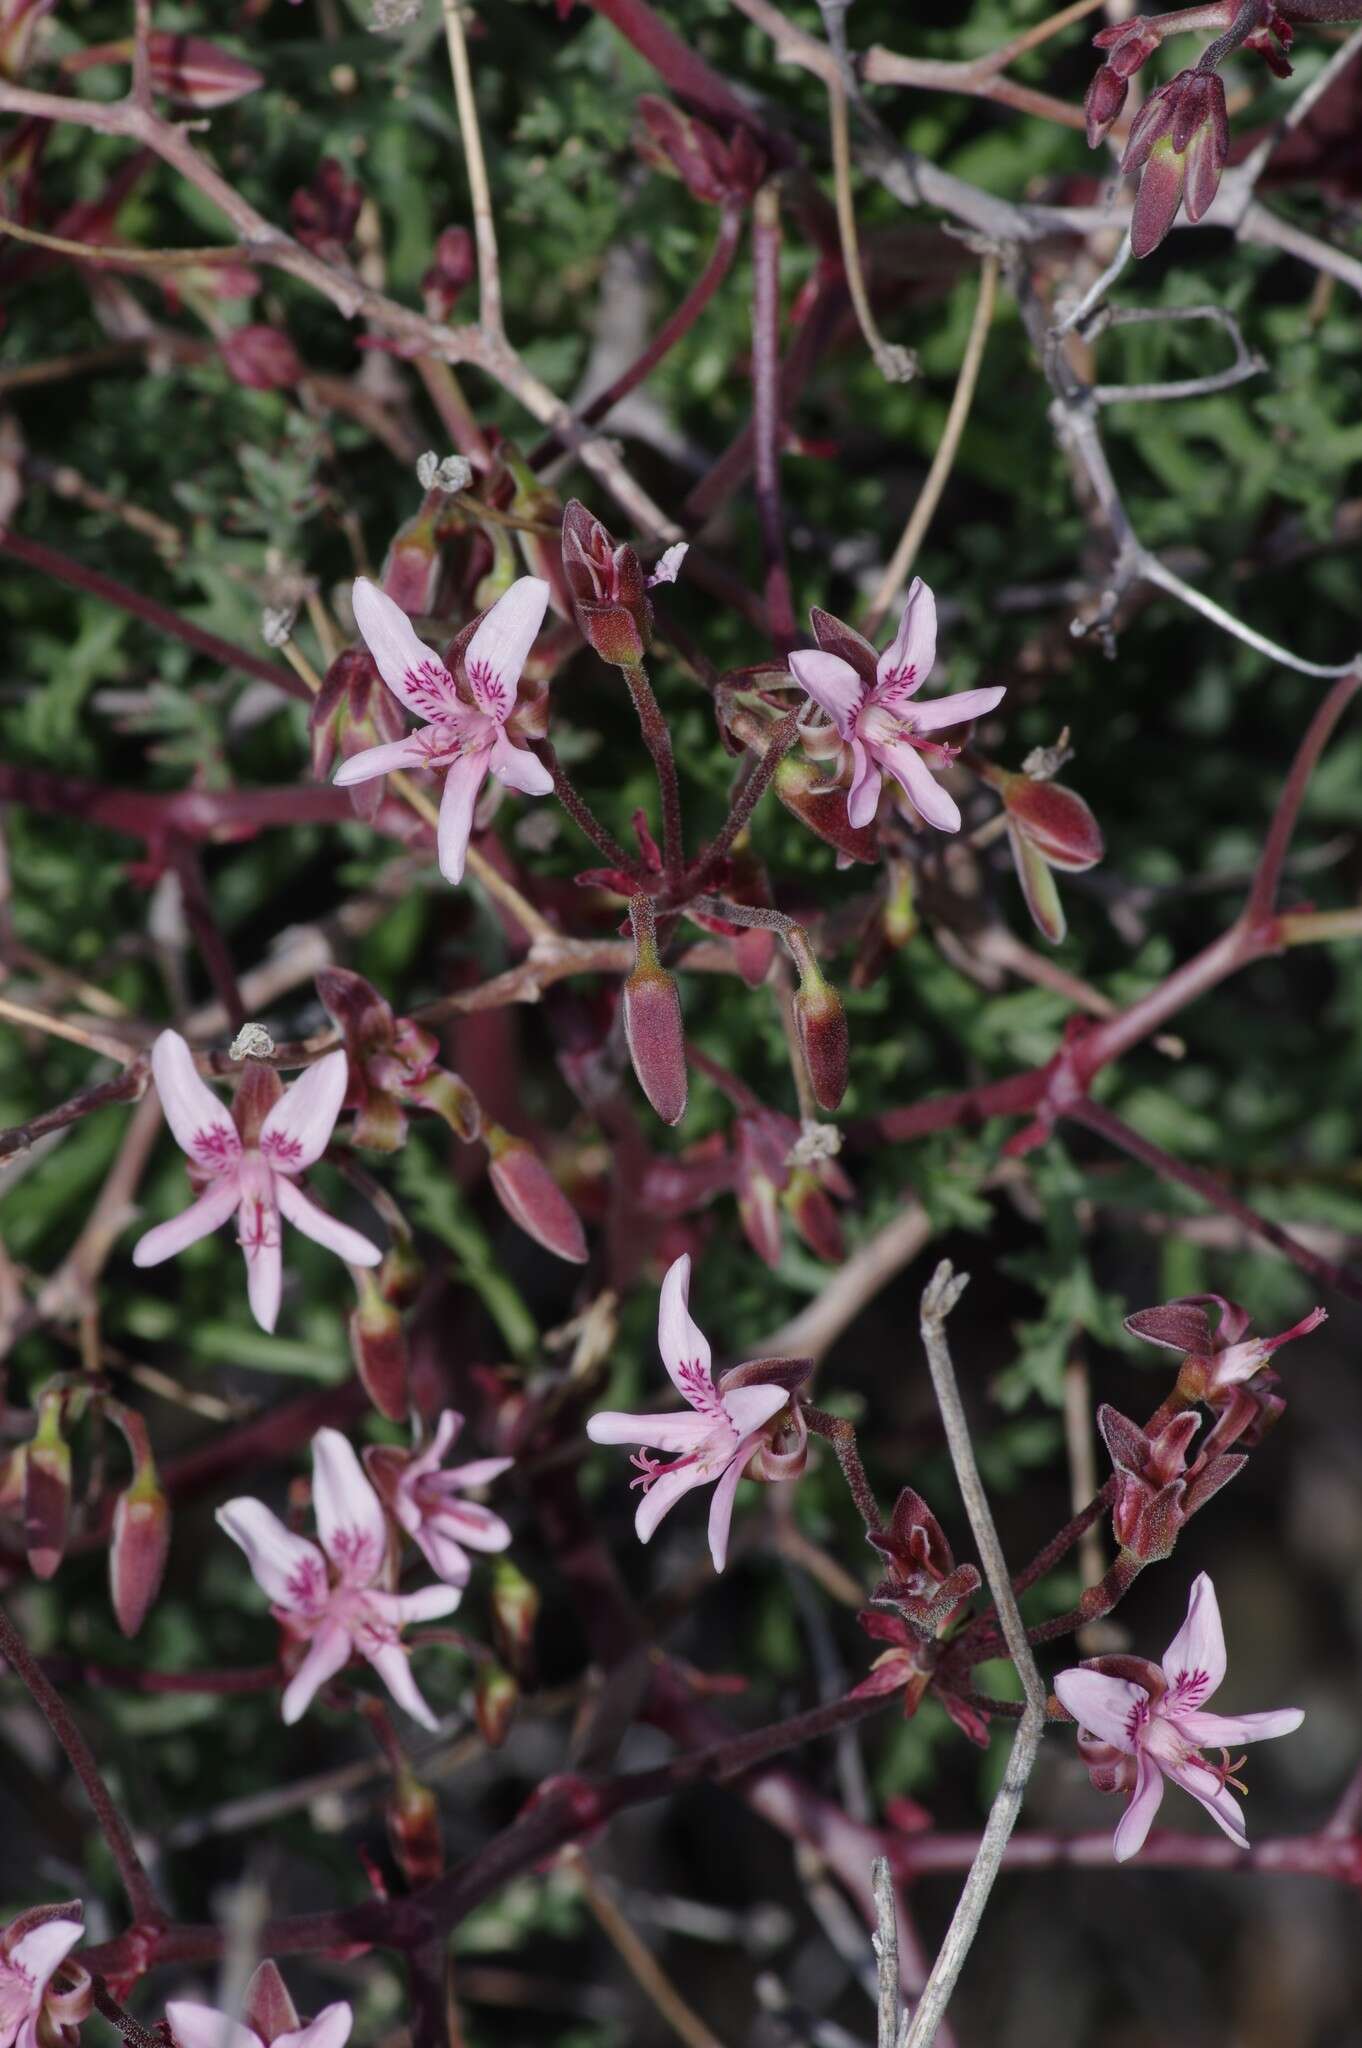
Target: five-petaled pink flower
870, 703
339, 1602
1155, 1730
465, 735
32, 1949
713, 1443
255, 1182
426, 1502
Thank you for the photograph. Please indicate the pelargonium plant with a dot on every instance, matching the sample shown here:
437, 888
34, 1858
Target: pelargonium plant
381, 449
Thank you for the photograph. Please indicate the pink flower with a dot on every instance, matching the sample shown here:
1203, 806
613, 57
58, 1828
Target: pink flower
425, 1500
463, 734
1160, 1725
869, 703
32, 1950
255, 1181
269, 2019
714, 1442
339, 1603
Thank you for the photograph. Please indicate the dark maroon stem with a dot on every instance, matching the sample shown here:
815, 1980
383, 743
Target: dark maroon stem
658, 740
129, 1086
688, 75
146, 1907
746, 801
1262, 896
190, 813
133, 2032
208, 934
50, 563
665, 340
915, 1856
580, 811
837, 1431
766, 418
73, 1671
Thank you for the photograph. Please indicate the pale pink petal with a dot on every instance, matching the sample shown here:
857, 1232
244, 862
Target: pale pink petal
390, 1662
201, 2026
663, 1495
428, 1603
446, 1434
659, 1432
519, 769
1221, 1804
265, 1279
339, 1238
405, 663
445, 1557
907, 661
477, 1472
499, 648
289, 1570
684, 1347
721, 1506
202, 1125
350, 1518
462, 784
330, 2029
667, 567
917, 781
372, 761
210, 1212
43, 1950
864, 794
329, 1652
1133, 1827
1226, 1731
1194, 1662
749, 1407
465, 1522
965, 704
298, 1129
1107, 1707
832, 683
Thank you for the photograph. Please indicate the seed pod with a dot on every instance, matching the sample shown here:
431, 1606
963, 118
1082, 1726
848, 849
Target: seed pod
652, 1021
822, 1023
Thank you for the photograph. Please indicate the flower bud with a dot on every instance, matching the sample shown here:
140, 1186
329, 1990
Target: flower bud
411, 570
495, 1699
822, 1023
514, 1603
1102, 103
454, 268
531, 1197
378, 1346
47, 1490
822, 806
1178, 144
261, 357
352, 711
257, 1092
1048, 827
324, 213
652, 1021
268, 2008
714, 171
810, 1209
608, 589
139, 1549
198, 74
761, 1175
414, 1833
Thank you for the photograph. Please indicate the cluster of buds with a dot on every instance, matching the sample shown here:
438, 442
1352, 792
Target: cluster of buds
1223, 1367
913, 1606
324, 213
1128, 45
394, 1066
715, 171
1157, 1490
1049, 829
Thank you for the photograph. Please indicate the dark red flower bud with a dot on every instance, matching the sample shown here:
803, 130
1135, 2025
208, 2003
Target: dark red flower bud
514, 1604
198, 74
378, 1345
139, 1548
495, 1699
810, 1209
1103, 101
1178, 144
262, 358
822, 1023
47, 1490
531, 1197
713, 170
324, 213
805, 790
608, 588
268, 2009
413, 1816
454, 268
653, 1026
353, 710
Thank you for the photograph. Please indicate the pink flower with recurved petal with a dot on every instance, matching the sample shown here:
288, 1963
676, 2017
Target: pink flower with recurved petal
269, 2019
253, 1176
464, 734
713, 1443
870, 702
425, 1500
33, 1948
1137, 1733
337, 1599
